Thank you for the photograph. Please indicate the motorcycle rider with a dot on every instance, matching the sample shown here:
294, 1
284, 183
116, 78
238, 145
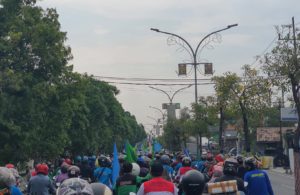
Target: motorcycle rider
86, 171
127, 182
63, 174
186, 166
230, 171
40, 184
257, 180
168, 170
193, 183
241, 171
103, 173
157, 185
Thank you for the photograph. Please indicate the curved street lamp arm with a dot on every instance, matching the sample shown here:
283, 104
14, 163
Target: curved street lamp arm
163, 115
162, 91
172, 34
228, 27
178, 91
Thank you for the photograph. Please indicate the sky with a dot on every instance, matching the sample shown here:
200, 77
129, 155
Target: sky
112, 38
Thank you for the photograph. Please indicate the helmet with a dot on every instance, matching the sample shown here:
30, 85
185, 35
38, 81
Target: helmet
103, 161
230, 166
165, 159
240, 159
193, 182
85, 159
74, 186
209, 156
100, 189
68, 161
42, 168
186, 161
78, 158
64, 167
250, 163
73, 171
219, 158
93, 158
6, 178
135, 169
10, 166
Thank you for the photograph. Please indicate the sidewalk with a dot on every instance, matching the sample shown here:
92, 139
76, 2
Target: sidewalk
281, 171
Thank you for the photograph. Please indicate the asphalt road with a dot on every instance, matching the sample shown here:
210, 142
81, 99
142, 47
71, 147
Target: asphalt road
282, 184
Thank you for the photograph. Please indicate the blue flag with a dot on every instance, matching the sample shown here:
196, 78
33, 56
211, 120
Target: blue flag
115, 166
157, 147
186, 152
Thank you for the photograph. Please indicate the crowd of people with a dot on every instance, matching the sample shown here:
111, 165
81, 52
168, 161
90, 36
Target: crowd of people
159, 174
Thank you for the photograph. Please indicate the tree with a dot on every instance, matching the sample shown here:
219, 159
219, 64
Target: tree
248, 92
46, 108
282, 64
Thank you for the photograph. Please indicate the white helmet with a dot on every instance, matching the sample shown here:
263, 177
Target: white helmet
74, 186
135, 169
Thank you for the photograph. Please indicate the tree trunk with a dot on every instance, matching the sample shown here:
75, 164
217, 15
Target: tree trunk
245, 127
221, 128
295, 88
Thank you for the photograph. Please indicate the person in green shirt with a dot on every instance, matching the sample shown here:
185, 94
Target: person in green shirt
127, 182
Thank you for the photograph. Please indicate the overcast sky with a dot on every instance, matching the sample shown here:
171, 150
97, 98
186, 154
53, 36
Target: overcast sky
112, 38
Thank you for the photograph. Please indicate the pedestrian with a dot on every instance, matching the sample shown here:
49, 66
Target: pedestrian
157, 185
258, 182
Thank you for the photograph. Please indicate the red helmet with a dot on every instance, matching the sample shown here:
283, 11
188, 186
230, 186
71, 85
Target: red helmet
68, 161
219, 158
42, 168
10, 166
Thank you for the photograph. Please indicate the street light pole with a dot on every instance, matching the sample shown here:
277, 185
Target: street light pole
170, 97
163, 114
194, 52
171, 108
194, 60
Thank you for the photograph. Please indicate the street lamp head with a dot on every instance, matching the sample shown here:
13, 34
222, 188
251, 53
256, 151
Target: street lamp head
232, 25
155, 29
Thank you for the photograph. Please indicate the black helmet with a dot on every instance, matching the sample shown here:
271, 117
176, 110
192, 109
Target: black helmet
230, 166
165, 159
250, 163
193, 182
186, 162
240, 159
103, 161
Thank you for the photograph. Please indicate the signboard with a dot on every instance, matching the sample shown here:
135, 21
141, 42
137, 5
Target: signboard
288, 114
208, 68
181, 69
270, 134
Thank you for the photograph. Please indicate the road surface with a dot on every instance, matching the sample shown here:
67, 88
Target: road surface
282, 184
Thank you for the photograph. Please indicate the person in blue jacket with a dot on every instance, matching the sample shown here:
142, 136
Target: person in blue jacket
258, 182
103, 173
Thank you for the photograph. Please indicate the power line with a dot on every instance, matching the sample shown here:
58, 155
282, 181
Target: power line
147, 79
162, 84
265, 50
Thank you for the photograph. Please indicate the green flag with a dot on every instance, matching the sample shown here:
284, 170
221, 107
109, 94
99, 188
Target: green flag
130, 153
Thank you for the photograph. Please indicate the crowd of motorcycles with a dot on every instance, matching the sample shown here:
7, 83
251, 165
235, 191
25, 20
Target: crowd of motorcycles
89, 168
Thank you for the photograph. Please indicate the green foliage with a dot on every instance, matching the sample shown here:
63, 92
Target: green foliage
46, 109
